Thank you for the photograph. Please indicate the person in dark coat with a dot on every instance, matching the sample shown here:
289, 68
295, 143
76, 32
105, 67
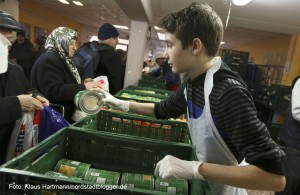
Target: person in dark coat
41, 40
22, 52
110, 62
55, 75
290, 138
123, 56
16, 94
164, 71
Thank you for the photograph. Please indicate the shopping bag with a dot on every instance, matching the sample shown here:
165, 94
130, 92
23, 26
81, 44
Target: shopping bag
24, 134
50, 122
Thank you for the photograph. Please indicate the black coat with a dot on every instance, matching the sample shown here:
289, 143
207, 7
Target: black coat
12, 83
52, 78
110, 66
24, 53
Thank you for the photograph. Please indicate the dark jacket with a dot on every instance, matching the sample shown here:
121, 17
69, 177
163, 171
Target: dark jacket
290, 135
51, 77
12, 84
24, 53
165, 73
39, 52
110, 66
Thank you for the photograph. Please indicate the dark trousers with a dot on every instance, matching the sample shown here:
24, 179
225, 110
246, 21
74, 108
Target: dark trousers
291, 168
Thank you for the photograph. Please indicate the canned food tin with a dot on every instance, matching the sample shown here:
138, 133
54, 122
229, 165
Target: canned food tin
141, 181
53, 174
89, 101
102, 176
72, 168
171, 186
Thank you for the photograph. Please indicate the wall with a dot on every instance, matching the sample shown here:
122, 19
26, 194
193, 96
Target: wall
38, 16
293, 61
264, 52
11, 7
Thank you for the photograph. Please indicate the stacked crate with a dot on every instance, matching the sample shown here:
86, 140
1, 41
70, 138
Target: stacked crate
103, 150
154, 82
237, 61
110, 140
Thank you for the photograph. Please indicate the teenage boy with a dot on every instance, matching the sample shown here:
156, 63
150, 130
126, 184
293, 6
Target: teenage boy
221, 114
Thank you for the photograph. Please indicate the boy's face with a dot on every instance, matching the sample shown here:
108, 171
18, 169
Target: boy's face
180, 59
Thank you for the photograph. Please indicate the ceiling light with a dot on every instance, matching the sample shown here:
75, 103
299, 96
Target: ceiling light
157, 28
121, 27
78, 3
64, 1
161, 36
123, 41
240, 2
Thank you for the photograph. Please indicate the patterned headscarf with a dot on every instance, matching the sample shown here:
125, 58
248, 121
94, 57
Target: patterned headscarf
59, 42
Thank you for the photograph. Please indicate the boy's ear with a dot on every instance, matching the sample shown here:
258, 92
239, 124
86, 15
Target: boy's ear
197, 46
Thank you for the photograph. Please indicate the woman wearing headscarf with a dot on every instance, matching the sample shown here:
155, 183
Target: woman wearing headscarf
55, 75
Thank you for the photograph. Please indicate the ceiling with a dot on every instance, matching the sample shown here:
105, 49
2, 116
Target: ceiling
258, 20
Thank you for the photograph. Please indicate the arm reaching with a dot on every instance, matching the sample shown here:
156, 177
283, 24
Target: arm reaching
139, 108
248, 177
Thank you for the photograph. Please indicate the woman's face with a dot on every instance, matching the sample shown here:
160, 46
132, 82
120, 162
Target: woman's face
72, 47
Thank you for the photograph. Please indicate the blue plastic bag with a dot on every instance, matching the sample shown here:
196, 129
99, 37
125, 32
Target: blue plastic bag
50, 122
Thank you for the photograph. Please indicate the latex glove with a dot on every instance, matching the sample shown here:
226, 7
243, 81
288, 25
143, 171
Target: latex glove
91, 84
29, 103
171, 167
113, 102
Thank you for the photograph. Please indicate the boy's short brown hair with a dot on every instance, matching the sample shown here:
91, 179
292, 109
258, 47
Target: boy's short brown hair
195, 21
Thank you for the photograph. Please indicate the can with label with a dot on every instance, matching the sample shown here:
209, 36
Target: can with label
72, 168
53, 174
172, 186
140, 181
89, 101
102, 176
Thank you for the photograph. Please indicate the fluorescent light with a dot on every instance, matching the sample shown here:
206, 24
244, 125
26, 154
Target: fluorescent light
124, 41
64, 1
78, 3
240, 2
222, 42
120, 46
161, 36
157, 28
121, 27
94, 38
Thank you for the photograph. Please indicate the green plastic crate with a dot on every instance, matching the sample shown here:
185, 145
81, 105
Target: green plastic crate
152, 84
103, 150
234, 54
153, 78
157, 91
137, 125
139, 96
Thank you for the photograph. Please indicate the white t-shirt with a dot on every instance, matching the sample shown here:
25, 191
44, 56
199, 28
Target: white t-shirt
296, 101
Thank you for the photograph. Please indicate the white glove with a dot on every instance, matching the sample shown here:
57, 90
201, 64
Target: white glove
171, 167
113, 102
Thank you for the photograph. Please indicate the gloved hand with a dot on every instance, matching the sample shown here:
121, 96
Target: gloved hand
171, 167
90, 84
113, 102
